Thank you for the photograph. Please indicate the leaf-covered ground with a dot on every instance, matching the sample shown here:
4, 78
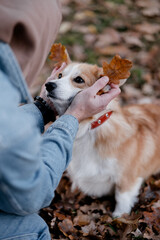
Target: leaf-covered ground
72, 215
94, 31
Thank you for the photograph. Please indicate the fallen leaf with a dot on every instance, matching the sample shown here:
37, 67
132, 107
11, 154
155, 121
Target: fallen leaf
133, 41
153, 219
147, 28
147, 89
151, 12
156, 204
66, 227
81, 16
127, 220
90, 38
149, 38
151, 236
112, 50
79, 53
117, 69
149, 8
65, 27
59, 216
58, 54
155, 185
137, 233
108, 37
86, 230
81, 220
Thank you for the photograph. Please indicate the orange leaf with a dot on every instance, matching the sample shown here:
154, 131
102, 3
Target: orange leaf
152, 219
58, 54
117, 69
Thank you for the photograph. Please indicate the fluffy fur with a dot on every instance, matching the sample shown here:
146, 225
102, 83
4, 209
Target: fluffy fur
118, 155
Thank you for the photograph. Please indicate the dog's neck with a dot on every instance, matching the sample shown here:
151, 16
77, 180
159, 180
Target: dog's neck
85, 126
102, 119
116, 130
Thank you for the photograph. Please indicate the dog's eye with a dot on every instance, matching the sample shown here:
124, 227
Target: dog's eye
78, 80
59, 75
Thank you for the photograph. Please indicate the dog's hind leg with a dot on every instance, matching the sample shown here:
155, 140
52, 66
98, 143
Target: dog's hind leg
125, 200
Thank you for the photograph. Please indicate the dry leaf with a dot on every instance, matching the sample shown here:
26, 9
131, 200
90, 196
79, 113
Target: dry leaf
86, 230
153, 219
117, 69
112, 50
59, 216
58, 54
81, 220
66, 227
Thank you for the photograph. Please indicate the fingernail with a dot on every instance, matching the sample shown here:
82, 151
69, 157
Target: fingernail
105, 78
63, 64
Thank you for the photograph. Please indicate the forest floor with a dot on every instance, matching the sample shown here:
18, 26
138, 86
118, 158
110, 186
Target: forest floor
94, 31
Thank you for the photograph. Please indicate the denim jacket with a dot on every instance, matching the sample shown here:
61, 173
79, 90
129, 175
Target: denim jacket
31, 164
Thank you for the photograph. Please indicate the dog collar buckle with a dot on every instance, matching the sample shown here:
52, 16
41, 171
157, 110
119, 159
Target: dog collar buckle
101, 120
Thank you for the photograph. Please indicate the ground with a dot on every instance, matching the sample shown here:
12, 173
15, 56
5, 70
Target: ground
94, 31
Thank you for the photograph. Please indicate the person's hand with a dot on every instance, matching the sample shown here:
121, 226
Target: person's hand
87, 103
53, 75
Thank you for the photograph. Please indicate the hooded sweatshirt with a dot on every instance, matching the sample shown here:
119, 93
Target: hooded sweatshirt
31, 164
30, 28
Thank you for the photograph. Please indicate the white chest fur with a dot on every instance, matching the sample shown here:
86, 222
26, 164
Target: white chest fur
89, 172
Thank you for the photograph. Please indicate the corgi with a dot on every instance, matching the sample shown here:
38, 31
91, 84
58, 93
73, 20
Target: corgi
115, 150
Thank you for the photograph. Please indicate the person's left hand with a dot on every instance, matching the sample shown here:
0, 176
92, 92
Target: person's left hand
43, 92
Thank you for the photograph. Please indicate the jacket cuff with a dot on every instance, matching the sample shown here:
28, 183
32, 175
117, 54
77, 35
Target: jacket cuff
67, 122
34, 113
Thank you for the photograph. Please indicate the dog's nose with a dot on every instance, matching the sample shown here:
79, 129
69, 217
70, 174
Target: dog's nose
50, 86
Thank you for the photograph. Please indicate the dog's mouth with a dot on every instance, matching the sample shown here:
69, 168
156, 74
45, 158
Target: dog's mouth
54, 97
60, 104
51, 95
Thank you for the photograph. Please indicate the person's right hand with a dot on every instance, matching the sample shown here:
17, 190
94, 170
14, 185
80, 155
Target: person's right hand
87, 103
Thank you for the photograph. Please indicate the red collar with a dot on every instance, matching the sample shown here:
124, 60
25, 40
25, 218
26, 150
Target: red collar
101, 120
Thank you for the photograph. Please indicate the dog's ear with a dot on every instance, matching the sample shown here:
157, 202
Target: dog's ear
98, 72
68, 61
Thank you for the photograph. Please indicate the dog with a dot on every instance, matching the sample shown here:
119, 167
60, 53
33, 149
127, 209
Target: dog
115, 150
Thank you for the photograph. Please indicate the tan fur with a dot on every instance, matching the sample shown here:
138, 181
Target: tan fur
133, 140
90, 73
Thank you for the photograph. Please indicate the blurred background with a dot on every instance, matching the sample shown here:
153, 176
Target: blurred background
94, 31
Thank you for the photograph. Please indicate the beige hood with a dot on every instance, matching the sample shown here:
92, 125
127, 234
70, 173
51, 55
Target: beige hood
30, 28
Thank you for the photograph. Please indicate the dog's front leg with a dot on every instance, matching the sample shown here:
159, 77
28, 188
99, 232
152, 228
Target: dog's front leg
125, 200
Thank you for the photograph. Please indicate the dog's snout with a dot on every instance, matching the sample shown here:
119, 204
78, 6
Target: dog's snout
50, 86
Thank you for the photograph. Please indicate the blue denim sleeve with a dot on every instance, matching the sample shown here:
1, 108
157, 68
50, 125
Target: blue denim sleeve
34, 113
31, 164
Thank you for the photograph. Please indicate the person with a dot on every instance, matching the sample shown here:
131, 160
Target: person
32, 163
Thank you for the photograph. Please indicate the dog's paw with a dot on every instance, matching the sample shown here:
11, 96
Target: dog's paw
120, 213
116, 214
